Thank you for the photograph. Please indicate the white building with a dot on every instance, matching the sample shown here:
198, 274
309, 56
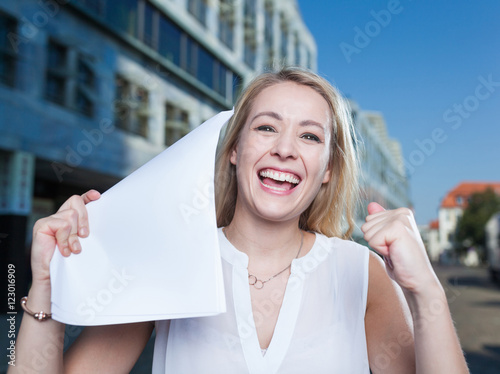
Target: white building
383, 177
451, 210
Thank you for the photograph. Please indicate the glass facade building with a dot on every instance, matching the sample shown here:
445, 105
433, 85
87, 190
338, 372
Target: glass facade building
90, 90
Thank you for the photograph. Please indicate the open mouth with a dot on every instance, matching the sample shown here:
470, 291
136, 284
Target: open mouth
277, 180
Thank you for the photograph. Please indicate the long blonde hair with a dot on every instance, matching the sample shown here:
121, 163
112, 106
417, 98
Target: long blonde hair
332, 211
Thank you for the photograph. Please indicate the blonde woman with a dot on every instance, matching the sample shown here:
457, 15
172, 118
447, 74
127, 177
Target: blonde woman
301, 297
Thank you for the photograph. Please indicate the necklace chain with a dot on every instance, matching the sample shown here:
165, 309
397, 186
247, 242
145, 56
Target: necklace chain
258, 283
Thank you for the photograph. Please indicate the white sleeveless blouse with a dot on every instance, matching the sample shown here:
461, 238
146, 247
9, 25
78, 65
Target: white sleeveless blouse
320, 328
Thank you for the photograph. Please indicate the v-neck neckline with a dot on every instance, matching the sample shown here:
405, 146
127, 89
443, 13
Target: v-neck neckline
287, 315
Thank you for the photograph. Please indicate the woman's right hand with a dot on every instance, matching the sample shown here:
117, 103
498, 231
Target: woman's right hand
64, 228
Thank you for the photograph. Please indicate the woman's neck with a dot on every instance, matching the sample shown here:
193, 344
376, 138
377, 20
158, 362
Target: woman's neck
268, 244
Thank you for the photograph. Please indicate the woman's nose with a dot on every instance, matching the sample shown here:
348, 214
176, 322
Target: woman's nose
285, 146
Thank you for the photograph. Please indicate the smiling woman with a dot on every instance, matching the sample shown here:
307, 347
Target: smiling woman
301, 296
330, 128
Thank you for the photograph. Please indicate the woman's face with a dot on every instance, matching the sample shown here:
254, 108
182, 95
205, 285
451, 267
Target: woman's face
283, 152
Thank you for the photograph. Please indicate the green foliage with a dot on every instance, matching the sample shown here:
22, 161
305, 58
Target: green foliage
480, 209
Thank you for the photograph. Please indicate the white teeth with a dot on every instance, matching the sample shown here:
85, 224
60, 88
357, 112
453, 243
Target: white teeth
274, 188
279, 176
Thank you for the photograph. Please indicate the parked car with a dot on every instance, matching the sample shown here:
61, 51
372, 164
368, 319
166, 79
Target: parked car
493, 245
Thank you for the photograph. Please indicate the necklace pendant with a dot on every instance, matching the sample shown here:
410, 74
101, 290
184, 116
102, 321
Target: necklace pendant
253, 281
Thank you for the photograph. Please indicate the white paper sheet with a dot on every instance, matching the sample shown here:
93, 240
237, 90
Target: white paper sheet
153, 251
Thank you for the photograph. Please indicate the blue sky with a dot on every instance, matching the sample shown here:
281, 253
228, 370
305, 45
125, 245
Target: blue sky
421, 69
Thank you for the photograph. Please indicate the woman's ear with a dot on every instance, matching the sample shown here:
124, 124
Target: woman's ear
327, 176
234, 156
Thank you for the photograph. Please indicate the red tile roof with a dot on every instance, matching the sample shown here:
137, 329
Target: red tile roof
458, 197
434, 225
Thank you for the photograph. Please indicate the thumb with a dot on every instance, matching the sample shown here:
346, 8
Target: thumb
375, 208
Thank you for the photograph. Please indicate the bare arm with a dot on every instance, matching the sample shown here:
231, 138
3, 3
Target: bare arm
395, 236
39, 345
388, 324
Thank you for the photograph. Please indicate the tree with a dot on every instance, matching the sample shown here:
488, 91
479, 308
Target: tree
470, 228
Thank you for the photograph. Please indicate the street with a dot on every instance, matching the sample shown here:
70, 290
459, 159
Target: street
475, 306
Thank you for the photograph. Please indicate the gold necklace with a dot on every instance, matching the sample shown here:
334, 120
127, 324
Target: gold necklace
258, 283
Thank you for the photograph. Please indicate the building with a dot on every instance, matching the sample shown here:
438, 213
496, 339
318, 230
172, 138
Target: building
92, 89
451, 209
432, 242
383, 176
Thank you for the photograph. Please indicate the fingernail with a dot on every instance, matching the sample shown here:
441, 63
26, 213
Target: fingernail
84, 231
77, 248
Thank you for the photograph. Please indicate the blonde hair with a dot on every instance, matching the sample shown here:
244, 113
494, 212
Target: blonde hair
332, 212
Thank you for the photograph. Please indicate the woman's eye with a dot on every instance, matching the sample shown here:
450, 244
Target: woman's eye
266, 128
311, 137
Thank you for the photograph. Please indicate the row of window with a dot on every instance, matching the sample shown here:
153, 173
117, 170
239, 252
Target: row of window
132, 114
8, 27
198, 8
70, 81
161, 34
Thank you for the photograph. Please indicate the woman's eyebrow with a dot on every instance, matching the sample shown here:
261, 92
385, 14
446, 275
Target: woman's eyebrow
312, 123
269, 114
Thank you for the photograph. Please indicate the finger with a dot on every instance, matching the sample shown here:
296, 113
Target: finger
377, 219
378, 244
83, 223
77, 203
61, 229
90, 195
376, 238
374, 208
69, 238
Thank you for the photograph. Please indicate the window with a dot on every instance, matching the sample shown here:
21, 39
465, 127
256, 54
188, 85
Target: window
131, 107
70, 79
269, 33
170, 41
249, 53
284, 36
198, 8
189, 55
226, 22
8, 28
221, 78
161, 34
122, 15
309, 59
176, 123
297, 50
95, 6
57, 73
148, 36
205, 67
85, 88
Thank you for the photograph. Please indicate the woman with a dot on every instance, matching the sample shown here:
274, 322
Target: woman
299, 295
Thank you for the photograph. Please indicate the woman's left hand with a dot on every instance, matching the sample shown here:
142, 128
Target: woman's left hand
394, 235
